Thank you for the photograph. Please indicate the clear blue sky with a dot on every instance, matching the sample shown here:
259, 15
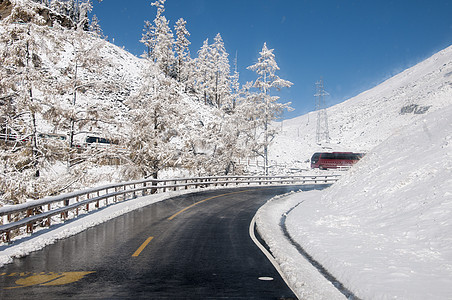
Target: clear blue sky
352, 44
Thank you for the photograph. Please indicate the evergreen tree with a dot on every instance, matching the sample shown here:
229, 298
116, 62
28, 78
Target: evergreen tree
204, 67
220, 84
213, 79
148, 38
95, 27
182, 51
235, 85
159, 39
62, 7
25, 87
267, 109
156, 121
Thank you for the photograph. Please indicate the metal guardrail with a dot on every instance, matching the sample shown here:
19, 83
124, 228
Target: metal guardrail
39, 212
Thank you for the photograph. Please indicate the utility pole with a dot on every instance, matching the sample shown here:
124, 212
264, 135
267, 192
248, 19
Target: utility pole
322, 133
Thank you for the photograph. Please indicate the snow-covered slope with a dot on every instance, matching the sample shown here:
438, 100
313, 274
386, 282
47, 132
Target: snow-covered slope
384, 229
366, 120
75, 75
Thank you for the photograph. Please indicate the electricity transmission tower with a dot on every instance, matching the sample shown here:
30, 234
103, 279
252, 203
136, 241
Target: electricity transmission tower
323, 135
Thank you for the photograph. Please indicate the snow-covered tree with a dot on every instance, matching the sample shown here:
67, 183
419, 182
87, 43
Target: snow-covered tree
43, 2
159, 40
203, 71
183, 59
220, 84
83, 8
95, 26
235, 85
267, 107
76, 10
25, 88
148, 38
156, 121
213, 73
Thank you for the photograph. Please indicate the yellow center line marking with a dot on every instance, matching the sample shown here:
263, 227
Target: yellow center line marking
199, 202
146, 242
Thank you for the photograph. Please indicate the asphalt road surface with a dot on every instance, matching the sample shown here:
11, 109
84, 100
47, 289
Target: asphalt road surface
195, 246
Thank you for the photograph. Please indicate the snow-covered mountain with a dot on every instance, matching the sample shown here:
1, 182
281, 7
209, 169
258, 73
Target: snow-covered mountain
364, 121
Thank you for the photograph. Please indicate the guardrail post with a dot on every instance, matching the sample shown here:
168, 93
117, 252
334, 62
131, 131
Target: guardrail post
143, 192
186, 184
116, 196
175, 183
7, 237
154, 190
30, 227
106, 197
87, 204
65, 203
97, 202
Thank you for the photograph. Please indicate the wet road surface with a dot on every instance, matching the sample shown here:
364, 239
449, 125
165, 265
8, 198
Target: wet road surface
195, 246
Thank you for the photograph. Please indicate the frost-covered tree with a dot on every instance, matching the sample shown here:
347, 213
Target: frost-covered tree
148, 38
43, 71
62, 7
183, 59
159, 40
79, 107
267, 107
95, 26
156, 121
212, 76
220, 84
76, 10
25, 88
204, 67
82, 9
43, 2
235, 84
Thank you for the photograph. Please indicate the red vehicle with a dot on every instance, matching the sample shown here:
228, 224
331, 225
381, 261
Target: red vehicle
334, 160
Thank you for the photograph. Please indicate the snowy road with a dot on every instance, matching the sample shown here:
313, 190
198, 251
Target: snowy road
194, 246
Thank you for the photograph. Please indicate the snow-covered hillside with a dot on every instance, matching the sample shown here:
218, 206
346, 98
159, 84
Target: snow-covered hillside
366, 120
71, 84
383, 230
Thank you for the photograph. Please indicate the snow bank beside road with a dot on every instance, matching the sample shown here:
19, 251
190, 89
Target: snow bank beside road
303, 278
384, 229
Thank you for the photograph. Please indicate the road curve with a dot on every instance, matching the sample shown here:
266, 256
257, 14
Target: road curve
194, 246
